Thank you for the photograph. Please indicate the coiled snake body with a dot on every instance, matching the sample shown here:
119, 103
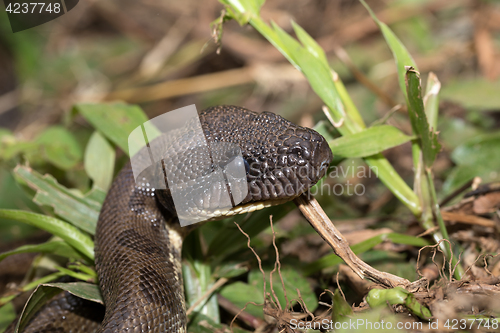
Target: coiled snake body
139, 240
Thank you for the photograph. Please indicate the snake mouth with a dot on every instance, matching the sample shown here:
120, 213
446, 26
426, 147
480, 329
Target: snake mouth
243, 208
249, 207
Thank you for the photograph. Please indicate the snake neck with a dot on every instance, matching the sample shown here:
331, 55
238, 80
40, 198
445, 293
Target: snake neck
138, 259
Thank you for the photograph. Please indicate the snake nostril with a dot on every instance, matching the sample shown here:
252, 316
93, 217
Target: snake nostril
323, 154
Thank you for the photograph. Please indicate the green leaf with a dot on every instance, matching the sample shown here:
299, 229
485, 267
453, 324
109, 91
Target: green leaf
389, 176
60, 147
80, 210
431, 100
10, 147
7, 315
477, 157
99, 161
45, 292
293, 280
88, 291
399, 51
199, 323
38, 298
325, 129
370, 141
482, 149
230, 270
310, 44
197, 280
320, 78
247, 6
475, 93
76, 275
64, 230
316, 51
430, 145
342, 310
115, 121
59, 248
240, 293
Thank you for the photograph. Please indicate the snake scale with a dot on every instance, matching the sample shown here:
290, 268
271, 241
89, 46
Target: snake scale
138, 239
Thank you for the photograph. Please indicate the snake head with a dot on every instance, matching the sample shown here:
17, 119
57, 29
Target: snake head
282, 160
275, 160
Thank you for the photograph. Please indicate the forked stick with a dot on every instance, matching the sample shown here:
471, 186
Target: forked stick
325, 228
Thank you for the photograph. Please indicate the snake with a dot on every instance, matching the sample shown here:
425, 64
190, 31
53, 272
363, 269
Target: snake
138, 240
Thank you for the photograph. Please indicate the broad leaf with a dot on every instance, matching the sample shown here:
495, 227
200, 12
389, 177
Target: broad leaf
60, 147
80, 210
115, 120
293, 280
240, 293
476, 92
99, 161
44, 292
88, 291
477, 157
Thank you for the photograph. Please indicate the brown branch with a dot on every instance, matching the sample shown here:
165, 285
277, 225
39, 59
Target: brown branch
325, 228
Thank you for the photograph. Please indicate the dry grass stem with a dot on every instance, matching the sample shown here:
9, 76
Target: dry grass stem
467, 219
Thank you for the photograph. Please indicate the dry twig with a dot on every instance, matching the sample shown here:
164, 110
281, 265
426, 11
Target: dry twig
325, 228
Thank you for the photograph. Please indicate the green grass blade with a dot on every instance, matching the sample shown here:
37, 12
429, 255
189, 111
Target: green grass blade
7, 315
74, 237
368, 142
386, 173
310, 44
76, 275
431, 100
59, 248
429, 143
399, 51
316, 51
321, 80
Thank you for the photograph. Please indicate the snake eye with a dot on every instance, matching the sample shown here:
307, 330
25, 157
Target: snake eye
236, 162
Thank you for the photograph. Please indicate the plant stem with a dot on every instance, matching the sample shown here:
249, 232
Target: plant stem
459, 271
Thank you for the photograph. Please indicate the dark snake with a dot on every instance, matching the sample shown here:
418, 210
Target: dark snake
138, 239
